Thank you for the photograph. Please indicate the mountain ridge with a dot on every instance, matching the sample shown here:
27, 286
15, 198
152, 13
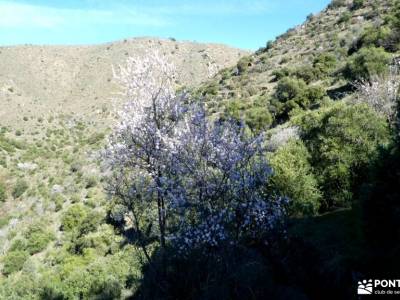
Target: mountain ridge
40, 81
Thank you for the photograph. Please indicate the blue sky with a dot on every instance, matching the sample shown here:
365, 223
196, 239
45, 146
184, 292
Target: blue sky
240, 23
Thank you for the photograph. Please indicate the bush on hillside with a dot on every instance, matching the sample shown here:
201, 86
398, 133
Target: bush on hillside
211, 88
58, 201
306, 73
258, 118
289, 88
3, 191
281, 73
95, 138
91, 222
255, 115
91, 276
34, 240
324, 63
14, 261
337, 3
343, 140
357, 4
269, 45
294, 94
374, 36
366, 63
38, 237
294, 178
394, 38
345, 17
79, 220
90, 181
19, 188
73, 217
315, 94
244, 63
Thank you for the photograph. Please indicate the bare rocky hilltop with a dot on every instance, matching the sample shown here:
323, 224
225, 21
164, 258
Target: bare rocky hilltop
37, 82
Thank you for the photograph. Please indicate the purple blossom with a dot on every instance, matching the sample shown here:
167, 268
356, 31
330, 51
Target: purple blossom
204, 183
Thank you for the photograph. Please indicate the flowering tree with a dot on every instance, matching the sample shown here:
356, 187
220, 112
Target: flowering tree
138, 148
202, 183
381, 93
220, 194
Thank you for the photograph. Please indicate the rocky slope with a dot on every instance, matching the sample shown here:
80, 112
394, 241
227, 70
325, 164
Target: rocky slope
334, 32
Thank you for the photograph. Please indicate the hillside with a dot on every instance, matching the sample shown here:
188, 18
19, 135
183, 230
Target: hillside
43, 81
315, 52
323, 97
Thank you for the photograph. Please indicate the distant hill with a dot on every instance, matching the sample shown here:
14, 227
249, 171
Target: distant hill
39, 81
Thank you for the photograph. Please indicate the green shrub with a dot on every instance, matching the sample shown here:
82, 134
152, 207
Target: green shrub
19, 188
284, 60
95, 138
225, 74
357, 4
345, 17
34, 240
315, 93
80, 219
255, 115
392, 42
374, 36
258, 118
235, 109
293, 177
18, 245
211, 89
4, 221
295, 94
90, 182
92, 277
75, 198
324, 63
73, 217
25, 285
269, 45
101, 241
3, 191
337, 3
3, 161
281, 73
244, 63
14, 261
366, 63
58, 200
91, 222
343, 140
289, 88
306, 73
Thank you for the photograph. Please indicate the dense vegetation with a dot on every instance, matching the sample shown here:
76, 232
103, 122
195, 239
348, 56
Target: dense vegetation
307, 135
